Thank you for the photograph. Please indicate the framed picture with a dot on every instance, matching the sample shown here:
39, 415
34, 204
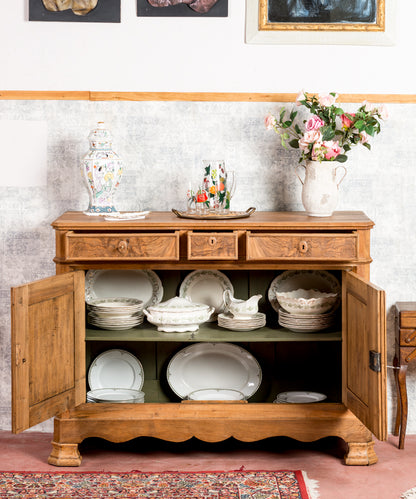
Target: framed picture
89, 11
182, 8
354, 22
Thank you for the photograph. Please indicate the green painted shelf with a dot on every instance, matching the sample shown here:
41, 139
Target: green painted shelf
210, 332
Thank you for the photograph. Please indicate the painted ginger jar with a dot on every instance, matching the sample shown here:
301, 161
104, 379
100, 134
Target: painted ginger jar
101, 168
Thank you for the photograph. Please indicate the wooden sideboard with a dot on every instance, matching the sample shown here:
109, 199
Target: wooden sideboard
52, 348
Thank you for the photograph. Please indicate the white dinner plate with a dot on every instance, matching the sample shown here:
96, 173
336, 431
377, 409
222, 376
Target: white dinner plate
302, 279
206, 286
213, 365
116, 369
299, 397
144, 285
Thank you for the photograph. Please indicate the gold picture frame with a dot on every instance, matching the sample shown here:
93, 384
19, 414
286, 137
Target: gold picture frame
284, 27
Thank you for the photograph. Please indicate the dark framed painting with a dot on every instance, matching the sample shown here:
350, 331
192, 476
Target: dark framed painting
361, 22
182, 8
90, 11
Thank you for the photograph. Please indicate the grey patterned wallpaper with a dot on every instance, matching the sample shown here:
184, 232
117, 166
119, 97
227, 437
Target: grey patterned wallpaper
163, 145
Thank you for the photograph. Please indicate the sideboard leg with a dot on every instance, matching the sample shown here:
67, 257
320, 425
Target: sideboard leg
64, 455
360, 454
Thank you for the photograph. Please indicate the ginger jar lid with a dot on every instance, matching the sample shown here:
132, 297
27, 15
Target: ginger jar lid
100, 137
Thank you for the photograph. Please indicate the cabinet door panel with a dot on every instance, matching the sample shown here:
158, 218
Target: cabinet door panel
48, 358
364, 332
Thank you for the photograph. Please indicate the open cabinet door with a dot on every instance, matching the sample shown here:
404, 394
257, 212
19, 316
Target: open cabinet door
48, 348
364, 352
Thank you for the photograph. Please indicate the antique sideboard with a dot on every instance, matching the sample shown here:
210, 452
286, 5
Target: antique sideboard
53, 347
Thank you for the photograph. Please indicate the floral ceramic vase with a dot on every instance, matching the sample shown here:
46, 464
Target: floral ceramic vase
102, 169
219, 185
320, 187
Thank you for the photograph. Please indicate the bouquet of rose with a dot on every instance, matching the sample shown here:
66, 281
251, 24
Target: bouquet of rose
330, 132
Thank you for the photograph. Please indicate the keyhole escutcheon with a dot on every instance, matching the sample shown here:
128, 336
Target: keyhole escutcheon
303, 246
212, 240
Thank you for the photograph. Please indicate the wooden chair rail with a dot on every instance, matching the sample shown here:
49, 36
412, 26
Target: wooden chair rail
90, 95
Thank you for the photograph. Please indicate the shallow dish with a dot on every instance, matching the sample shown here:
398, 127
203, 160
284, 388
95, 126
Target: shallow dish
144, 285
213, 365
306, 301
299, 397
116, 369
206, 286
303, 279
216, 394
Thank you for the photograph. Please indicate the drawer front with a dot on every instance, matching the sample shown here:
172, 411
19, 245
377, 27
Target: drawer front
212, 246
407, 320
300, 246
407, 355
122, 246
407, 337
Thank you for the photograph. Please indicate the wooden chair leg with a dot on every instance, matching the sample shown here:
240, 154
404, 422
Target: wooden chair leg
401, 378
398, 405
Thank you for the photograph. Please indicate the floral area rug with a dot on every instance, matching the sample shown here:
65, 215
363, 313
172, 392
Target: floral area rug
410, 494
166, 485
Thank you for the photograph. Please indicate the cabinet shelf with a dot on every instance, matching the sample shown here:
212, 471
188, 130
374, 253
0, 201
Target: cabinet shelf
209, 332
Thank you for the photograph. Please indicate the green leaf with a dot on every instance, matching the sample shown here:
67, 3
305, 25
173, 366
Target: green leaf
346, 147
294, 143
298, 130
282, 114
370, 130
341, 158
293, 115
285, 136
327, 133
360, 125
338, 111
367, 145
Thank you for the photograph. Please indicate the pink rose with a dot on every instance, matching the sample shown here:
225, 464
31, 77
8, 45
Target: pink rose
346, 122
382, 111
327, 99
368, 107
314, 123
269, 122
311, 137
364, 137
301, 96
332, 149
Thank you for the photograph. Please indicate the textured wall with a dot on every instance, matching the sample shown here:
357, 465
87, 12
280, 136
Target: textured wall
163, 145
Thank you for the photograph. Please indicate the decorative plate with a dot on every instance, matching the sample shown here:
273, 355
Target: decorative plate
116, 369
144, 285
214, 365
206, 286
302, 279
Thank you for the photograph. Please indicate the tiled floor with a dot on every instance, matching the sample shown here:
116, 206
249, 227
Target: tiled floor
388, 479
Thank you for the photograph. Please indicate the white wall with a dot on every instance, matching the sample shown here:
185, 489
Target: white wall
191, 54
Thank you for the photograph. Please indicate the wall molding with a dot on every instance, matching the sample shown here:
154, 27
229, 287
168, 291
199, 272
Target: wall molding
192, 96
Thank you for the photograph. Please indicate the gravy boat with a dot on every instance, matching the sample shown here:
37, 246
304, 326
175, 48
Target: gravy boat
241, 309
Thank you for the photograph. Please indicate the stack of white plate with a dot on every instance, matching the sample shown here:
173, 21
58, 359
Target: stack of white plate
115, 313
115, 396
228, 321
306, 323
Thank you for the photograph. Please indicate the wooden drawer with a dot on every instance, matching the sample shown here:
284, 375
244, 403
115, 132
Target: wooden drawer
152, 246
407, 337
212, 245
407, 320
407, 354
283, 246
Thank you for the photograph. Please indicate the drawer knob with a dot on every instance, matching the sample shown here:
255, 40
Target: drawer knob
212, 240
303, 246
122, 246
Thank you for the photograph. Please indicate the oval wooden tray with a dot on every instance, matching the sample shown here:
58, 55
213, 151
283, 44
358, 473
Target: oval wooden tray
215, 216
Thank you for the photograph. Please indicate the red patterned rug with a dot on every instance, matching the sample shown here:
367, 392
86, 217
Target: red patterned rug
166, 485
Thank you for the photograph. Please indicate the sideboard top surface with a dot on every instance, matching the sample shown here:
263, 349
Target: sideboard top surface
164, 220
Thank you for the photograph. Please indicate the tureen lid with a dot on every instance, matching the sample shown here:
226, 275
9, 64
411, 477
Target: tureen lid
178, 304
